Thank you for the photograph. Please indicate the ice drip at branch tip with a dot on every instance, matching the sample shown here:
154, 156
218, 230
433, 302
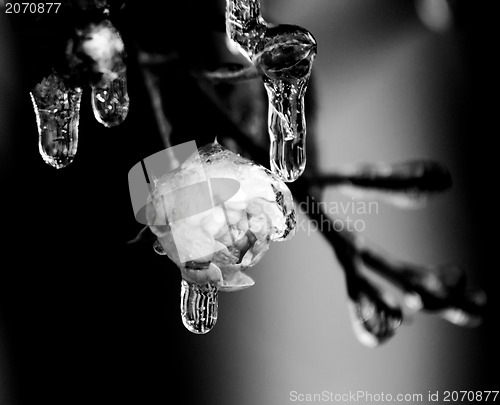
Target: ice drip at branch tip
199, 306
110, 102
57, 112
373, 321
103, 44
284, 55
284, 59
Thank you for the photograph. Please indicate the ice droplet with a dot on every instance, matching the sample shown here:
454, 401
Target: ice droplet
110, 102
373, 323
470, 316
158, 248
413, 301
57, 110
199, 306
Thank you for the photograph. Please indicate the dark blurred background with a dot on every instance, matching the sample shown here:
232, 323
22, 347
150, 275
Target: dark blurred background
85, 317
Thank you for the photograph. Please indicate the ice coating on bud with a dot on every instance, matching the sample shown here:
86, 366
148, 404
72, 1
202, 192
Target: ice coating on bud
285, 59
57, 110
213, 244
234, 232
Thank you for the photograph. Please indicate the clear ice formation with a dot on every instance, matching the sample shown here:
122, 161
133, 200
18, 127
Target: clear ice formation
57, 110
214, 247
245, 25
199, 306
57, 106
103, 44
110, 102
373, 320
285, 62
284, 55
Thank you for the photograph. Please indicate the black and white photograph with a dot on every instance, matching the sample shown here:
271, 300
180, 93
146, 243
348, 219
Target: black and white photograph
251, 202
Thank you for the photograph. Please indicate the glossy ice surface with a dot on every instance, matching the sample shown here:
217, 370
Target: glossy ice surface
57, 110
215, 246
284, 55
110, 102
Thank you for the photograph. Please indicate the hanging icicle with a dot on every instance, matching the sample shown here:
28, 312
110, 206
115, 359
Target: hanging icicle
57, 110
103, 44
284, 55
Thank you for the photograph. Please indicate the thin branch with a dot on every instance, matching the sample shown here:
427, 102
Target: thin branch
423, 176
164, 127
228, 76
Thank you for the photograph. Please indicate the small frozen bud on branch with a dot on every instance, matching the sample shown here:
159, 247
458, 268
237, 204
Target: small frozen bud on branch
375, 317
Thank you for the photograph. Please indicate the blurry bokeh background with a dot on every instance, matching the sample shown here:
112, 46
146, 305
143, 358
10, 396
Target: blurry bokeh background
81, 320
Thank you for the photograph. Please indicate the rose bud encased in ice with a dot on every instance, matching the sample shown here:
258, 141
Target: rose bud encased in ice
236, 232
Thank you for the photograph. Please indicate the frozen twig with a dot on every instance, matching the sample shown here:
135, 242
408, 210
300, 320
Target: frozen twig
414, 176
229, 76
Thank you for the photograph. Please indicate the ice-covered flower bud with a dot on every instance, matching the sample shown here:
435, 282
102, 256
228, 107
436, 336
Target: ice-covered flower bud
212, 243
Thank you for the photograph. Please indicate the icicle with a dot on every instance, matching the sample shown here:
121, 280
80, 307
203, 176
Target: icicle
110, 102
199, 306
285, 61
57, 110
104, 46
283, 55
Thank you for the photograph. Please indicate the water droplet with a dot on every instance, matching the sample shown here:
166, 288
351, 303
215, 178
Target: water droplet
110, 102
57, 110
472, 313
437, 285
199, 306
158, 248
285, 57
413, 301
373, 321
460, 317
